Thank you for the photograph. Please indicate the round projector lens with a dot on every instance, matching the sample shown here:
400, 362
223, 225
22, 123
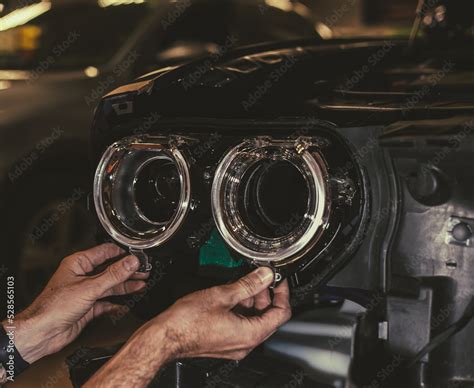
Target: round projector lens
142, 191
272, 197
157, 190
269, 201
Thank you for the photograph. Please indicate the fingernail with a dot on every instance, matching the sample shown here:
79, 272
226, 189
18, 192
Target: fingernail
131, 263
265, 274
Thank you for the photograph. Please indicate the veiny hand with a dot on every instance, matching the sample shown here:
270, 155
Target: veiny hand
226, 321
208, 323
71, 299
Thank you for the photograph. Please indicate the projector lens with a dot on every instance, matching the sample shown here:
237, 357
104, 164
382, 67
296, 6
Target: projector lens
142, 191
157, 190
272, 197
269, 199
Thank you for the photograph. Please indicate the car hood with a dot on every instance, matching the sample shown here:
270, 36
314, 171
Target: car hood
363, 77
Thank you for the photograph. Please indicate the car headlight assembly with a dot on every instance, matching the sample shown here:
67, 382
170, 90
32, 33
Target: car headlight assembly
290, 204
274, 201
269, 200
142, 190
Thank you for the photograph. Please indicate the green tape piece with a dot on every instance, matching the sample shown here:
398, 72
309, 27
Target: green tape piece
215, 252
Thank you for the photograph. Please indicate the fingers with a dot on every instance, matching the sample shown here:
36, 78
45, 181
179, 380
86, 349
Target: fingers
247, 303
140, 275
128, 287
281, 295
115, 274
280, 312
101, 308
89, 259
248, 286
262, 300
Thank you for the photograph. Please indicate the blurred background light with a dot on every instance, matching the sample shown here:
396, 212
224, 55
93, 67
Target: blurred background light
23, 15
284, 5
13, 75
323, 30
5, 85
108, 3
91, 71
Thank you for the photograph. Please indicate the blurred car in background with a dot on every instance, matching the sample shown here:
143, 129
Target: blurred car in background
56, 61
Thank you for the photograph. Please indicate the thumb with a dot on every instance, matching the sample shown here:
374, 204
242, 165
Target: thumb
117, 273
249, 285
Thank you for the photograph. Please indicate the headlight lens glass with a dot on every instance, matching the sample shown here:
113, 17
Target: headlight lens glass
142, 191
270, 201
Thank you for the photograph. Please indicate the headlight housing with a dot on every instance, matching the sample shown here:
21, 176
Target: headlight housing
296, 204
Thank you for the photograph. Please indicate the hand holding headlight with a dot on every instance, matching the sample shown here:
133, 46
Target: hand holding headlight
206, 323
71, 299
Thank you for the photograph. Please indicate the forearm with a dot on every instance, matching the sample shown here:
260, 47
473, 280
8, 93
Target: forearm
137, 362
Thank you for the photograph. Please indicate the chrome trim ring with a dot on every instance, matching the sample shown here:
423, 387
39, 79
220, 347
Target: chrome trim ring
230, 224
106, 173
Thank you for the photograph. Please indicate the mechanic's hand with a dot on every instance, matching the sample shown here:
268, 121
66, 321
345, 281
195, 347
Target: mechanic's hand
71, 299
207, 323
226, 321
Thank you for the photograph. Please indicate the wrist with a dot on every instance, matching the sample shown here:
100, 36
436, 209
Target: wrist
31, 340
148, 345
157, 336
12, 363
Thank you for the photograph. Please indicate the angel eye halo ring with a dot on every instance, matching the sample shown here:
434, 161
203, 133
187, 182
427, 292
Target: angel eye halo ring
247, 198
142, 191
